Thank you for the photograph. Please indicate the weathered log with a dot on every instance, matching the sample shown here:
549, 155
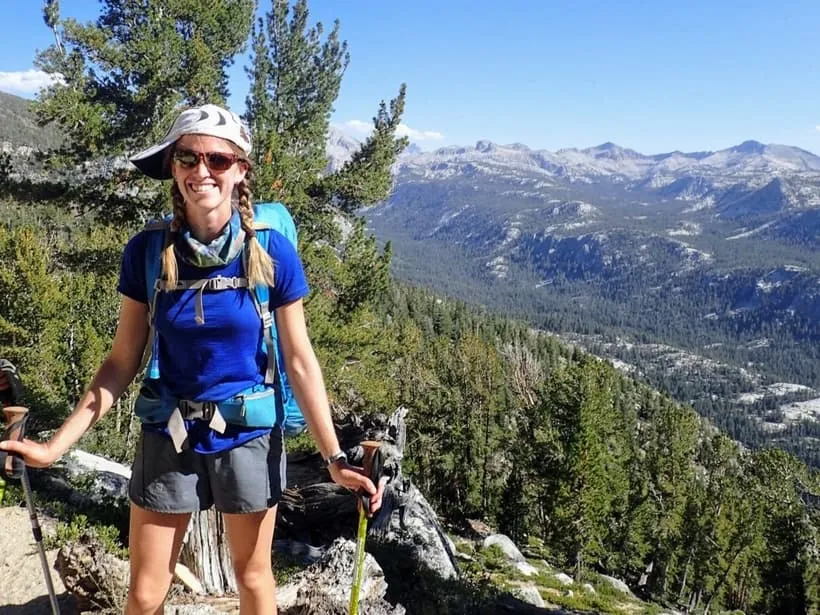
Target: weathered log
206, 553
405, 536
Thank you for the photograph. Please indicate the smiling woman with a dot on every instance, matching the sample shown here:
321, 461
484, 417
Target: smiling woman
196, 451
206, 171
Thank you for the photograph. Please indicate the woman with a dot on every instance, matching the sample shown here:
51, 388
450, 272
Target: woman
208, 344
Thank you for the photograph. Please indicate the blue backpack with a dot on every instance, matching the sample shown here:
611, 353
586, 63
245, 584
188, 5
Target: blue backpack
251, 408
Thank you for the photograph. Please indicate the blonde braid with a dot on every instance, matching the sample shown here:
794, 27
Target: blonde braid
260, 264
170, 271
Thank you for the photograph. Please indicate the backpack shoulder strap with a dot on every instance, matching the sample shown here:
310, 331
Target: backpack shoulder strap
275, 216
268, 217
154, 242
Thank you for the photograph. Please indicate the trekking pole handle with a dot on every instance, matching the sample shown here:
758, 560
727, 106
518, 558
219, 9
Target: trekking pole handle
12, 415
14, 421
370, 449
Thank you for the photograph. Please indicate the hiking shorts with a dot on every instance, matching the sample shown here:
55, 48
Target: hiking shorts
244, 479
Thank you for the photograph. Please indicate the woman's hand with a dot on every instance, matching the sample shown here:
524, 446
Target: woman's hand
34, 454
354, 479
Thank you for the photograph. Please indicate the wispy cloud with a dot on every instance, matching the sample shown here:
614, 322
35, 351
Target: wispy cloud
359, 128
418, 135
817, 128
27, 82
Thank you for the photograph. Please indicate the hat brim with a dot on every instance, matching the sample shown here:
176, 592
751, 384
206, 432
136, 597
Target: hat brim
152, 161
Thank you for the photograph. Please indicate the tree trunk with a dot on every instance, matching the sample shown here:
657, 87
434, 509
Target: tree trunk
685, 574
205, 552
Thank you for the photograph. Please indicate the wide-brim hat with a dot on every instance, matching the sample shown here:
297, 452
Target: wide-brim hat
211, 120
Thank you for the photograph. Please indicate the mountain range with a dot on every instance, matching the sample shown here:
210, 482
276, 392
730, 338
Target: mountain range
713, 254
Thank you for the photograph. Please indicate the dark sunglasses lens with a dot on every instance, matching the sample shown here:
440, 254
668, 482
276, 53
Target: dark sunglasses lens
218, 161
186, 159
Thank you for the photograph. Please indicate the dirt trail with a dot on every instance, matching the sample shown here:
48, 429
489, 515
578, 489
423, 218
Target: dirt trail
22, 585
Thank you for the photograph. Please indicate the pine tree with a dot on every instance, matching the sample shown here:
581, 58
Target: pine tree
366, 178
124, 78
294, 80
589, 480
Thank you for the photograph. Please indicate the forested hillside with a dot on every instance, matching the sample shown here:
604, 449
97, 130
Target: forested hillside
535, 437
702, 268
18, 125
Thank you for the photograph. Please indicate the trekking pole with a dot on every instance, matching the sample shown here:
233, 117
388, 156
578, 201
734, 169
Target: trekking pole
373, 469
15, 419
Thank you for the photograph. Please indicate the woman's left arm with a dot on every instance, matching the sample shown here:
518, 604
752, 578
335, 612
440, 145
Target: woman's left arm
305, 376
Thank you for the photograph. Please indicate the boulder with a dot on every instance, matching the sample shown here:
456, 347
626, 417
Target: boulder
325, 586
97, 579
564, 579
478, 529
617, 584
408, 524
525, 568
506, 545
529, 594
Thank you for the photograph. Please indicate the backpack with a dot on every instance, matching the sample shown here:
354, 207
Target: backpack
240, 409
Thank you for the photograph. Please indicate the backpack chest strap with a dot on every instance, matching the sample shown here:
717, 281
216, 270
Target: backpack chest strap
217, 283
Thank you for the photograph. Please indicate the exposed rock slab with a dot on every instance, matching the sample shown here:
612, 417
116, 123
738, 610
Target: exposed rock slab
326, 585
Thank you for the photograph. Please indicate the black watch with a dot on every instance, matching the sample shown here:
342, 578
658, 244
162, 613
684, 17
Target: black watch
340, 456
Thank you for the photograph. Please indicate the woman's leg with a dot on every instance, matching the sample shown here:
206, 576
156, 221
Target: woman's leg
154, 543
250, 536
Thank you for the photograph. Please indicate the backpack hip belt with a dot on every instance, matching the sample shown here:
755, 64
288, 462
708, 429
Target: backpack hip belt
255, 407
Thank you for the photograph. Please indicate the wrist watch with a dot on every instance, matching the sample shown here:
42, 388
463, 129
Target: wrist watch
340, 456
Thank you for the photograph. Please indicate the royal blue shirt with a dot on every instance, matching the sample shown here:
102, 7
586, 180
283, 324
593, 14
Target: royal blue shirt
222, 356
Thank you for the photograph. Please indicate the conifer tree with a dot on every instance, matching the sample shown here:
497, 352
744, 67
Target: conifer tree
126, 75
294, 80
589, 479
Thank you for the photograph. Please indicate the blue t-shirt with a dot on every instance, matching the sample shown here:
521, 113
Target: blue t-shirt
222, 356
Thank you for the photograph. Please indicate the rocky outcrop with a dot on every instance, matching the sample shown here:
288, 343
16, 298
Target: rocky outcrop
97, 579
326, 585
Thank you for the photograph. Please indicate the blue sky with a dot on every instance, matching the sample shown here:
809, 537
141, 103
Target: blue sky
653, 75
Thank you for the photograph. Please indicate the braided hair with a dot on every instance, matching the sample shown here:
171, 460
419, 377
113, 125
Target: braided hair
259, 263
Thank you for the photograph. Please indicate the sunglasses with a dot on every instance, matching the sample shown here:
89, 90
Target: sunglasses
215, 161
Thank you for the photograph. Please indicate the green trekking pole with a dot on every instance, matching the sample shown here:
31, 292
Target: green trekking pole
372, 468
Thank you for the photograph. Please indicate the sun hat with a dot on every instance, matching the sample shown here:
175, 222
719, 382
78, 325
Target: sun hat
211, 120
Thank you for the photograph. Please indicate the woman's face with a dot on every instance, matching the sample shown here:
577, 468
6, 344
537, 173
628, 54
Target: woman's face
205, 189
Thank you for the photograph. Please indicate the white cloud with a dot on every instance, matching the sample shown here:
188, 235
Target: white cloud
27, 82
418, 135
358, 127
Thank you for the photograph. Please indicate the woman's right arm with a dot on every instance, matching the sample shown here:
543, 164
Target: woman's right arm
112, 378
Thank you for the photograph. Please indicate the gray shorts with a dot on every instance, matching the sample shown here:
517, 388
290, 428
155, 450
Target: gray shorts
248, 478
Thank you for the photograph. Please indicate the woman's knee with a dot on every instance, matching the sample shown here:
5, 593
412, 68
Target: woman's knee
147, 594
254, 575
